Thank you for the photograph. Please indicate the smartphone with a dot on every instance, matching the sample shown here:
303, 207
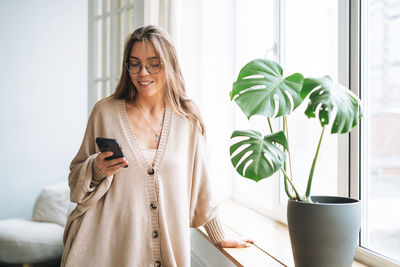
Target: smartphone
108, 144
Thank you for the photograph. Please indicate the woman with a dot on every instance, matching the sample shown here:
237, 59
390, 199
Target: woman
141, 215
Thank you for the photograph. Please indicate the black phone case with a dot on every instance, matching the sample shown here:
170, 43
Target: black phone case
108, 144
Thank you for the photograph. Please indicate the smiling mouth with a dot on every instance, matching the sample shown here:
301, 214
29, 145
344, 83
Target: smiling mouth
145, 83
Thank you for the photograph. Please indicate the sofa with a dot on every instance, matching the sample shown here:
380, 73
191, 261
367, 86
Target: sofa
37, 242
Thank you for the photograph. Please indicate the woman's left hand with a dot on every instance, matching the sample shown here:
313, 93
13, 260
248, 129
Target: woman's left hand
236, 243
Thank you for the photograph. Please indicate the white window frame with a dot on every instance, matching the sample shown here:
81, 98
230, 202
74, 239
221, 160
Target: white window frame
138, 7
156, 12
357, 37
278, 209
349, 74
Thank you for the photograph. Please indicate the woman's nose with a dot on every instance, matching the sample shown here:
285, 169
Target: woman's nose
143, 70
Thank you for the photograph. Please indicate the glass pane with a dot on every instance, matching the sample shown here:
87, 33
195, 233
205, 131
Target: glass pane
98, 46
99, 7
107, 88
120, 40
107, 6
122, 35
311, 48
120, 3
107, 47
380, 152
254, 38
99, 90
130, 21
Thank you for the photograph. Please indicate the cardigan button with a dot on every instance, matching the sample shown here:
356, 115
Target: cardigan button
150, 171
155, 234
157, 264
153, 205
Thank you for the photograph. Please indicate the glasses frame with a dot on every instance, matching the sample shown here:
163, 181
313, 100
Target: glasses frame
141, 67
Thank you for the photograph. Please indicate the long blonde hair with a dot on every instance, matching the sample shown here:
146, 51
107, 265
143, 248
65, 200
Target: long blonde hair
175, 91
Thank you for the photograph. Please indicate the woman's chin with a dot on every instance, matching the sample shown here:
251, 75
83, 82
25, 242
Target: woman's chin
149, 93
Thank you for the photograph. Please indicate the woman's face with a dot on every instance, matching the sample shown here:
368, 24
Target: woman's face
146, 70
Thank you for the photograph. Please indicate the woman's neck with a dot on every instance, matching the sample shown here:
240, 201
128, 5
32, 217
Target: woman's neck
150, 104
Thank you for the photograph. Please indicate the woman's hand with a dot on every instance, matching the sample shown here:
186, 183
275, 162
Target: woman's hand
235, 243
109, 167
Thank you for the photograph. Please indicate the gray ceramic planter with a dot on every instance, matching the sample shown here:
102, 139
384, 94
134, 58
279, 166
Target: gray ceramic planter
324, 233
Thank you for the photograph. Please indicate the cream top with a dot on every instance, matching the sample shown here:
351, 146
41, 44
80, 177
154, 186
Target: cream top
141, 215
149, 154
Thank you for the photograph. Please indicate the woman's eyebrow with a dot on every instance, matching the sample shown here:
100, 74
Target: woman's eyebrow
130, 57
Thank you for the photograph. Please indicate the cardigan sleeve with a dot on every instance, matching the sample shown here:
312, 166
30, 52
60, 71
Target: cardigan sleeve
214, 230
85, 177
203, 207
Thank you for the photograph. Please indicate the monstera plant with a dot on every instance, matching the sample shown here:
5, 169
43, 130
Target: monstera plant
261, 89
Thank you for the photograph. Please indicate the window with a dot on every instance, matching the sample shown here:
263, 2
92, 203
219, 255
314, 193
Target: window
355, 42
287, 32
109, 24
254, 32
379, 151
311, 48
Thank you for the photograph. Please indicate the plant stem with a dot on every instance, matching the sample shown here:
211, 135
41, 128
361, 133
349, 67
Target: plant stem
310, 177
292, 185
289, 193
287, 138
270, 125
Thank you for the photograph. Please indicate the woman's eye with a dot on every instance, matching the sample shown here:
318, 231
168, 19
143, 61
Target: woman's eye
155, 63
135, 65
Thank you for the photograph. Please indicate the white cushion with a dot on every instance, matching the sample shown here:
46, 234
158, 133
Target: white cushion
23, 241
53, 204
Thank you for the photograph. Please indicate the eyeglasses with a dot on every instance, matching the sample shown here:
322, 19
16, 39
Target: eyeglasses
153, 66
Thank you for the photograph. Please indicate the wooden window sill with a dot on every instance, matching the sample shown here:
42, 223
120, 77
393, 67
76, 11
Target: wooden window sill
272, 242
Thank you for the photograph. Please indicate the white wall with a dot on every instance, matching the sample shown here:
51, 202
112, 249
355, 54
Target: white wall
43, 87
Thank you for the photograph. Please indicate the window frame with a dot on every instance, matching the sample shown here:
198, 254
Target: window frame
138, 9
349, 74
279, 205
277, 210
357, 74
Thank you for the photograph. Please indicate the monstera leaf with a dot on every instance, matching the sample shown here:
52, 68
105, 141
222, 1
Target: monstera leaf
329, 99
260, 95
256, 156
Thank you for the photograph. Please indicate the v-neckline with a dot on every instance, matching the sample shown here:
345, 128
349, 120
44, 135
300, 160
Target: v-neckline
133, 142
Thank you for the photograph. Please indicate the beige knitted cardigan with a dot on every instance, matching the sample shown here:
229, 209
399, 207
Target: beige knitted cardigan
136, 218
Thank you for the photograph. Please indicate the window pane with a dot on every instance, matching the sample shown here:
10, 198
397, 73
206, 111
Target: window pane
98, 46
107, 6
99, 7
311, 45
121, 16
99, 90
107, 46
380, 152
254, 38
130, 20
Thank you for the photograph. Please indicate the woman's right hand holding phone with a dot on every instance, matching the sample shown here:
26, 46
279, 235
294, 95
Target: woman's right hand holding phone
109, 167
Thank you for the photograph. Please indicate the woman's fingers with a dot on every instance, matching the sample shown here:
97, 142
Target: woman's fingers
104, 155
114, 162
114, 169
248, 240
112, 166
236, 243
